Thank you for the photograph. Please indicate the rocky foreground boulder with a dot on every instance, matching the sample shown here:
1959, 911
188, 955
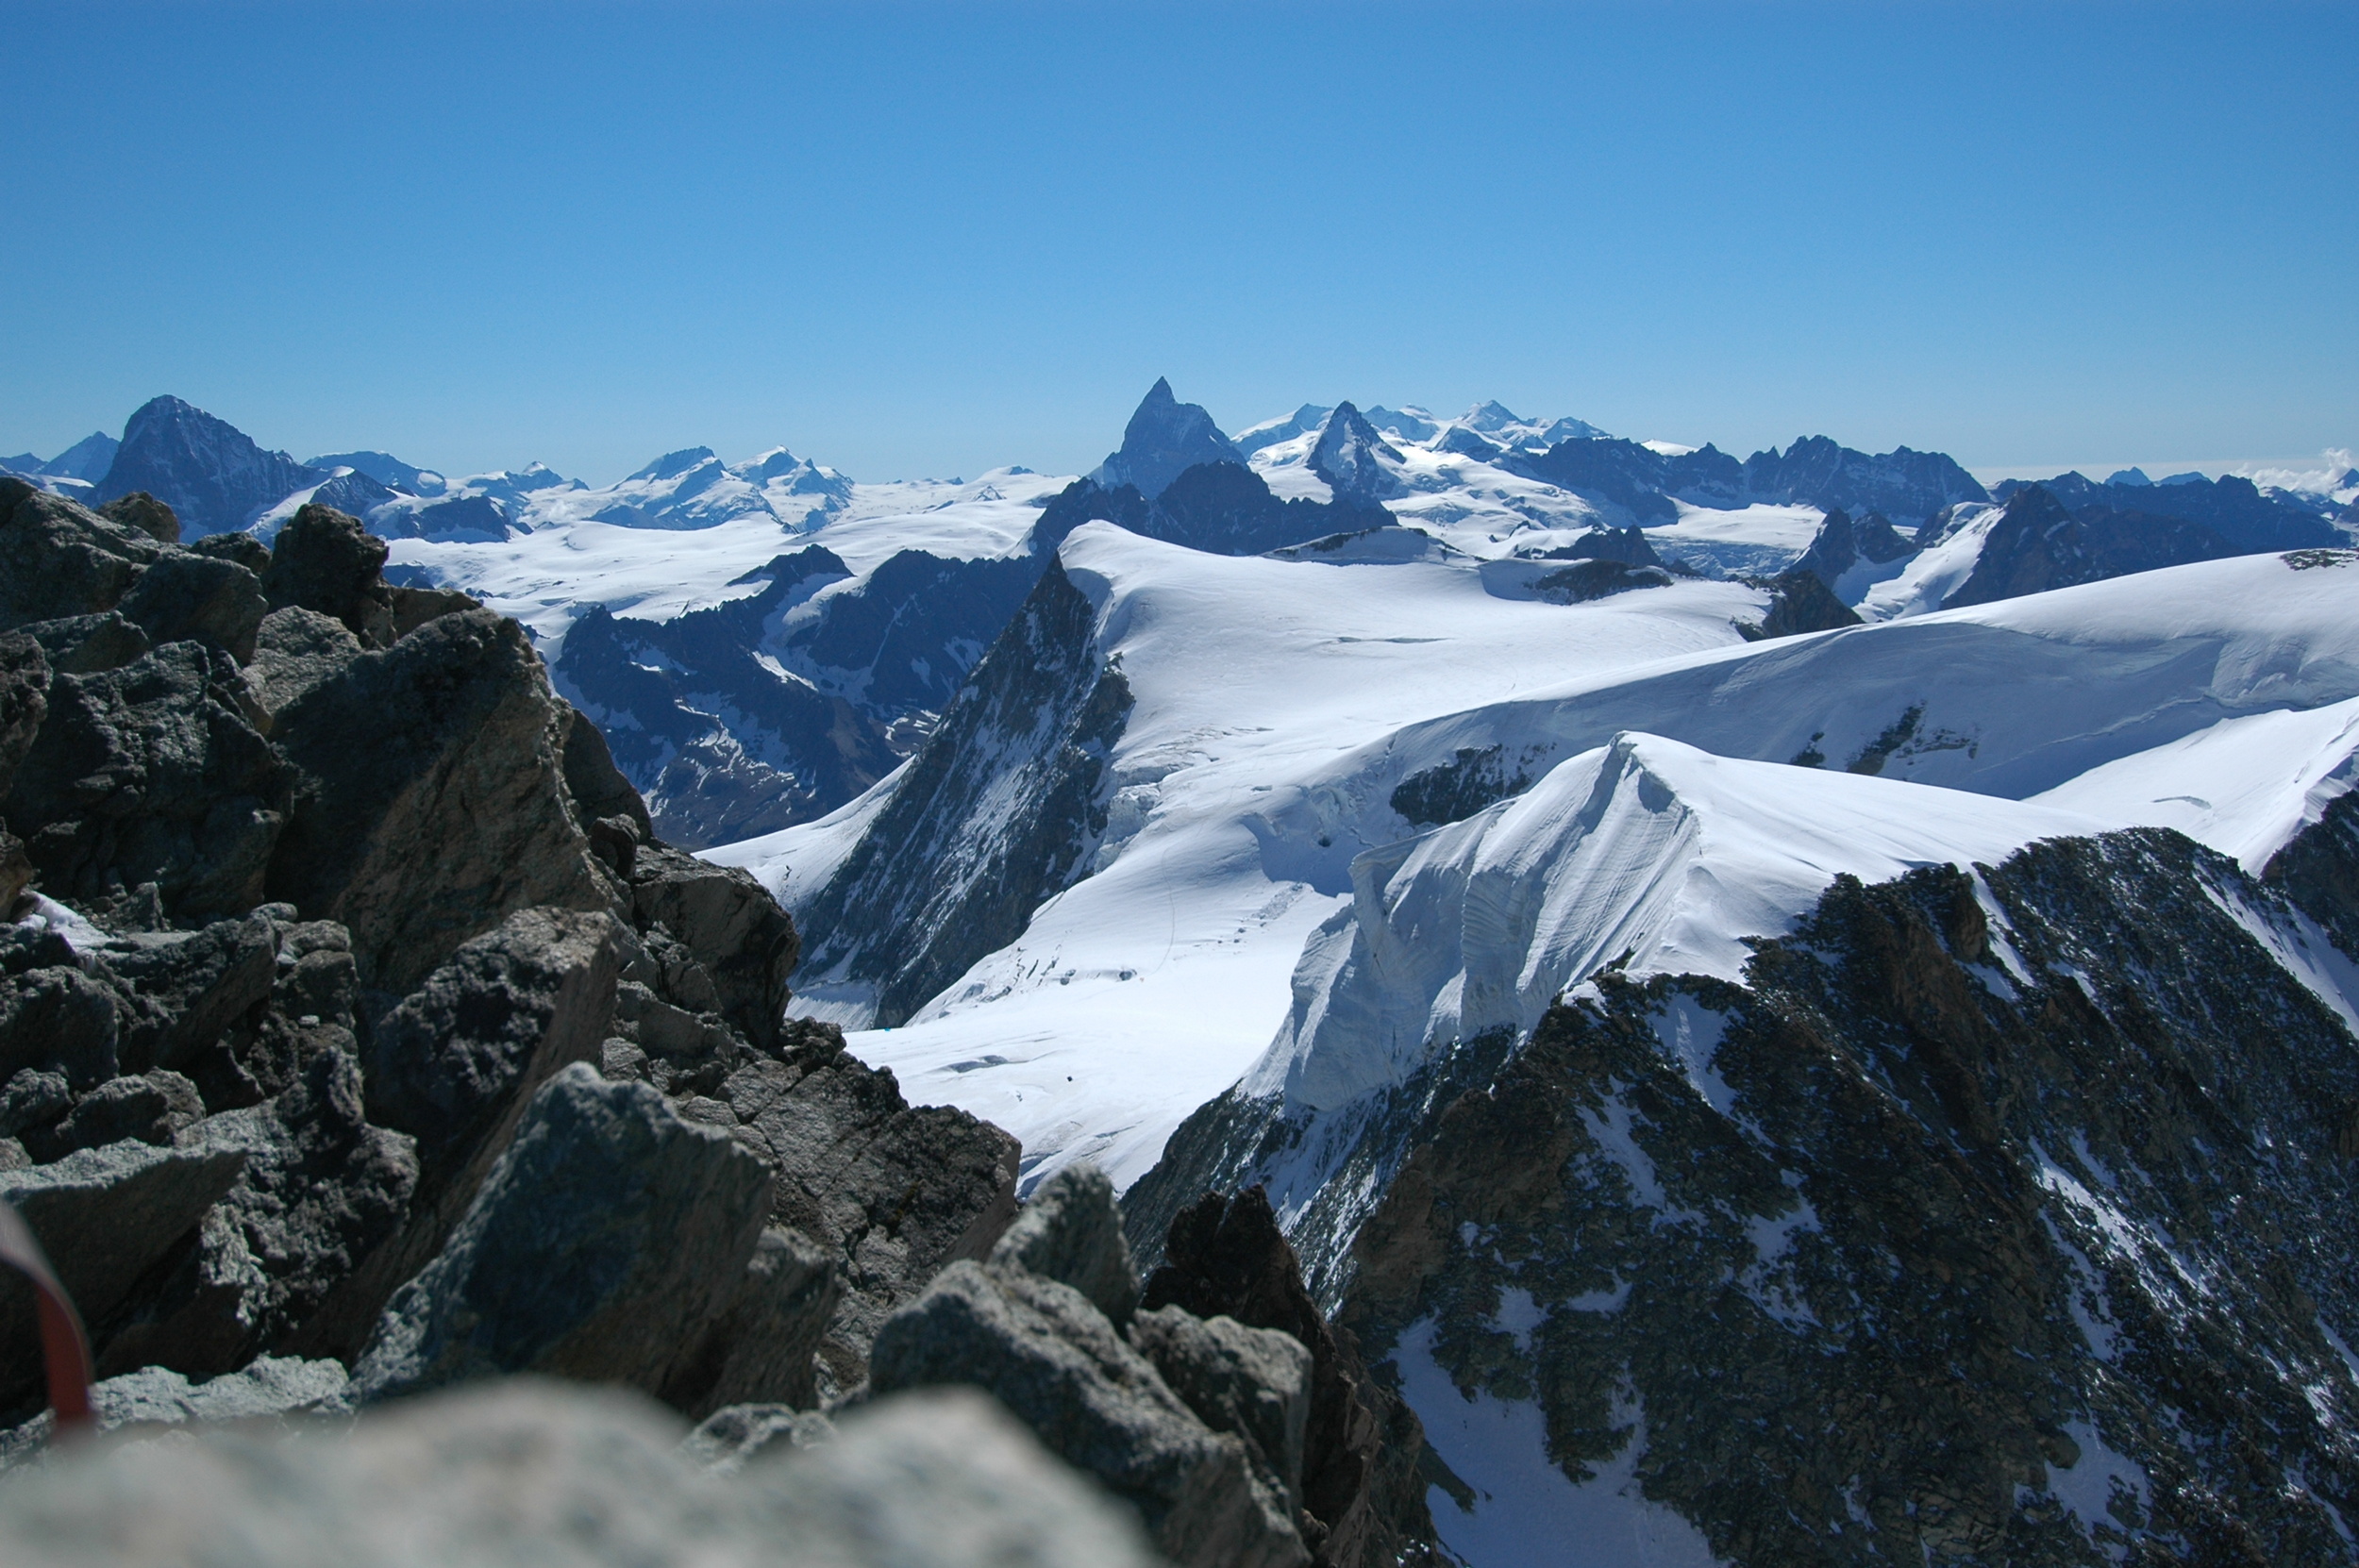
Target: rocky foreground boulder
571, 1477
361, 1049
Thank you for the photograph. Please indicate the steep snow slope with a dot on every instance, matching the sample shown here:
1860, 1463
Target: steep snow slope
1646, 854
1151, 984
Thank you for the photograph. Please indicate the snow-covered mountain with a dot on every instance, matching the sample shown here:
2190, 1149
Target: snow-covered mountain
1806, 1005
1430, 890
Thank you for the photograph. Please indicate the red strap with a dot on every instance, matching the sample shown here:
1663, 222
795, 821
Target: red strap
64, 1349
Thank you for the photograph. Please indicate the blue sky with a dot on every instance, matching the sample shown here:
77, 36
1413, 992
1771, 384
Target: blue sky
930, 239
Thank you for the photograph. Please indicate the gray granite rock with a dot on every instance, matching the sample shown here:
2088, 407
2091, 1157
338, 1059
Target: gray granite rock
272, 1389
1071, 1231
294, 650
105, 1217
1255, 1382
606, 1239
1053, 1359
724, 1441
185, 596
523, 1472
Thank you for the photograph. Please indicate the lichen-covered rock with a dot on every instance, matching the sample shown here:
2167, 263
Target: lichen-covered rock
105, 1217
153, 772
319, 1191
197, 983
1071, 1231
535, 1471
433, 803
294, 650
271, 1390
1254, 1382
57, 1019
1041, 1349
152, 1108
324, 561
605, 1241
86, 644
454, 1066
24, 700
186, 595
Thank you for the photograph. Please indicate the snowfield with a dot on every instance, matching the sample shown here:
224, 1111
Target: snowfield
1260, 905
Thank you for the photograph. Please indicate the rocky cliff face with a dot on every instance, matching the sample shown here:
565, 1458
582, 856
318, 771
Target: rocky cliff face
1641, 483
998, 809
2231, 507
2037, 545
1998, 1216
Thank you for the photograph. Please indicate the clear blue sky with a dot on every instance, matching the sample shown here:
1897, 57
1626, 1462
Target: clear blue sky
930, 238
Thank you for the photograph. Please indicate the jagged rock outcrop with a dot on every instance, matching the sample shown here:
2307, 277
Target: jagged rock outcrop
2231, 507
1842, 544
432, 800
318, 1191
1641, 483
610, 1233
1799, 601
894, 1192
1044, 1352
210, 474
1254, 1383
59, 559
157, 772
1362, 1483
573, 1479
1164, 439
2037, 545
323, 560
961, 856
1071, 1232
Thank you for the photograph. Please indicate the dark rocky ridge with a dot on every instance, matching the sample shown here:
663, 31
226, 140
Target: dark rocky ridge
2037, 545
1641, 483
2231, 506
1947, 1234
944, 874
